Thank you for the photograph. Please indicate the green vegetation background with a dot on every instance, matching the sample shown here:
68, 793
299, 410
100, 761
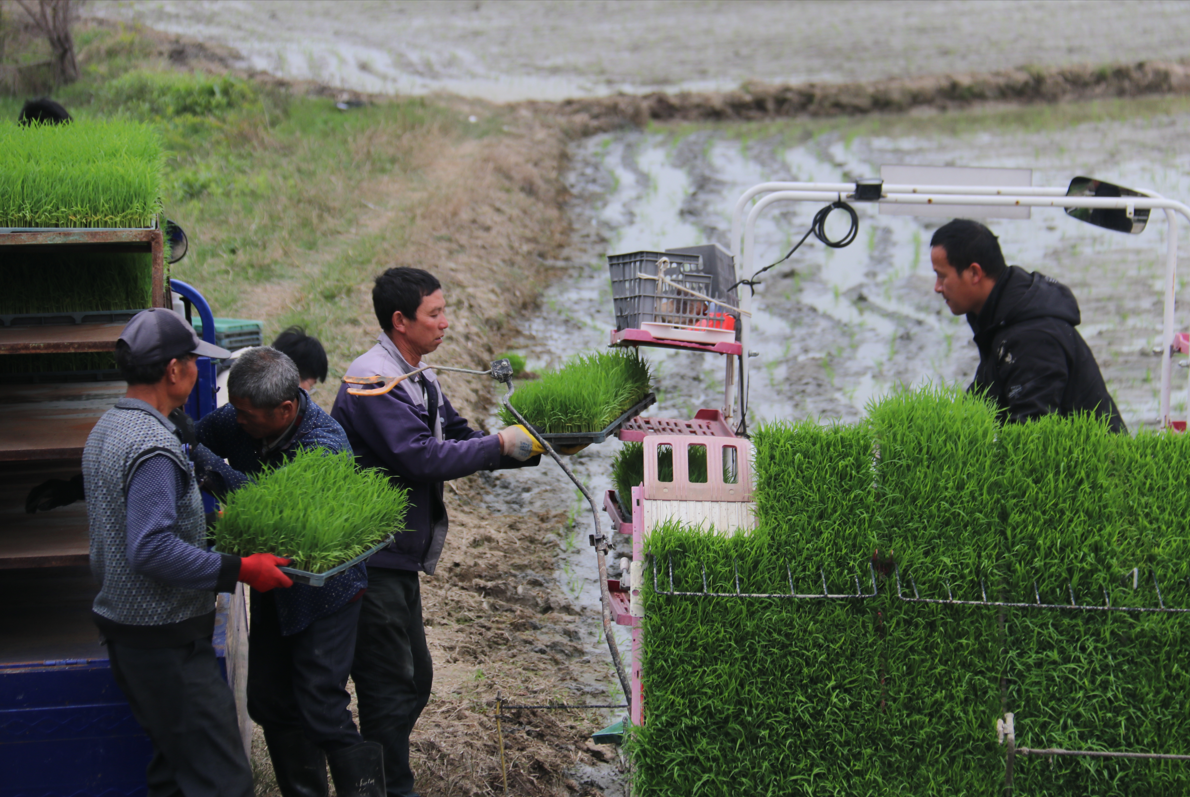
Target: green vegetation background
883, 697
263, 179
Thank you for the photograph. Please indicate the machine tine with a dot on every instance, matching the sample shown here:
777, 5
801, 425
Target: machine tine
1036, 594
389, 383
1156, 586
789, 574
825, 591
735, 566
1070, 586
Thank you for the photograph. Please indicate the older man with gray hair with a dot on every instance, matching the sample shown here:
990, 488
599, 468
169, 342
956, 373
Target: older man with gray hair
303, 638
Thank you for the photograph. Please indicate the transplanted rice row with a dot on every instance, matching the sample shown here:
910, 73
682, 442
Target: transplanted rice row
885, 697
319, 510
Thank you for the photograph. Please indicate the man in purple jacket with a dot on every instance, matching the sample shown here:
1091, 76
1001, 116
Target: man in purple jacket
414, 435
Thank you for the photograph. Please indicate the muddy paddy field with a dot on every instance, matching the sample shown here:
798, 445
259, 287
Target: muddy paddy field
514, 608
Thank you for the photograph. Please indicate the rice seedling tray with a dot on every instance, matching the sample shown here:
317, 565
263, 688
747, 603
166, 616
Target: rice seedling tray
67, 318
594, 438
320, 579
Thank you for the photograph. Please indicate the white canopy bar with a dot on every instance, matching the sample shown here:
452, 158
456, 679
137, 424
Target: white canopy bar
991, 196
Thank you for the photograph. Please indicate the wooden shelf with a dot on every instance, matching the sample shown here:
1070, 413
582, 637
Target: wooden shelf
59, 338
50, 421
47, 617
57, 538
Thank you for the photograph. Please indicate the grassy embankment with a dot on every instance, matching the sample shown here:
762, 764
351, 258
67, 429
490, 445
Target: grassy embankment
292, 205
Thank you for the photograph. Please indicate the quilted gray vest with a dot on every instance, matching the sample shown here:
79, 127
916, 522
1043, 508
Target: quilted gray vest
125, 437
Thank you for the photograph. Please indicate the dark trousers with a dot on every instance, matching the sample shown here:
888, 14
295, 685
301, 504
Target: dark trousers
179, 697
299, 682
392, 671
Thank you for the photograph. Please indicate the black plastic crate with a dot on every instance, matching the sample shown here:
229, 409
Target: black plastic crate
641, 300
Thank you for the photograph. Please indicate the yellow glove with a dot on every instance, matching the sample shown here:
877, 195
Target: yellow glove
516, 442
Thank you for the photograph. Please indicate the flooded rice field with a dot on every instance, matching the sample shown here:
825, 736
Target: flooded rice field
524, 49
834, 329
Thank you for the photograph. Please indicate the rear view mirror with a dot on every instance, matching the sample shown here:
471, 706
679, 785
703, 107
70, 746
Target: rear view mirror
1118, 219
177, 241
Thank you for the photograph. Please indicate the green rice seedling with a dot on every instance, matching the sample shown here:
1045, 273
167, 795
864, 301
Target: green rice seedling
1087, 508
939, 517
57, 363
628, 470
318, 509
51, 282
586, 394
84, 174
767, 697
884, 696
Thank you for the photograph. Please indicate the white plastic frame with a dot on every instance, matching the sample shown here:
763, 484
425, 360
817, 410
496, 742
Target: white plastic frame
744, 252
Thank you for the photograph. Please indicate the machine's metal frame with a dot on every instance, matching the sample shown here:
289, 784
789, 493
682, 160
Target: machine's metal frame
764, 195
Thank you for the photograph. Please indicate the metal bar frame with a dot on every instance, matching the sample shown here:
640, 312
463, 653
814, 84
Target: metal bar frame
949, 600
744, 250
826, 594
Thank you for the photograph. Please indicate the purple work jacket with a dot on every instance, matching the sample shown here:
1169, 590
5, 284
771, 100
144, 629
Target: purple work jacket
392, 432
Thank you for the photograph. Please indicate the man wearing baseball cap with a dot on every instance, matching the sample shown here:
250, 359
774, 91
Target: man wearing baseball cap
157, 580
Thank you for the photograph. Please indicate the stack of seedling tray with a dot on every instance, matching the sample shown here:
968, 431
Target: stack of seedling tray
883, 695
586, 400
318, 510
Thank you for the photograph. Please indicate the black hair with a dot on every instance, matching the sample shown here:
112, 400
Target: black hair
305, 350
401, 289
264, 376
43, 110
966, 242
133, 374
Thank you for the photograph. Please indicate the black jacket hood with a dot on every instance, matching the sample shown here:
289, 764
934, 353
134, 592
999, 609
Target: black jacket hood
1023, 296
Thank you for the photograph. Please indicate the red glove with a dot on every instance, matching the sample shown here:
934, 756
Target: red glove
259, 571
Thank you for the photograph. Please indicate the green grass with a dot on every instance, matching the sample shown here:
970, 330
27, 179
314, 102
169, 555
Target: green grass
885, 697
628, 470
586, 394
90, 173
270, 185
318, 509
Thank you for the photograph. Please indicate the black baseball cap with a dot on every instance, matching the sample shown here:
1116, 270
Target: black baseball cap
158, 335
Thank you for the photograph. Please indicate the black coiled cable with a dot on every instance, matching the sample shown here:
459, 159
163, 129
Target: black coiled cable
818, 230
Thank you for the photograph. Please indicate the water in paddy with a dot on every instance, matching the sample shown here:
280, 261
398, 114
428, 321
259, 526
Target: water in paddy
835, 329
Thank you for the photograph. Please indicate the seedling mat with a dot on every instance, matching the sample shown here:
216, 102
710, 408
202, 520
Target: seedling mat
591, 438
320, 579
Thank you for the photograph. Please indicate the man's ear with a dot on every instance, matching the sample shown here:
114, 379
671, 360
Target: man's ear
977, 273
399, 321
287, 408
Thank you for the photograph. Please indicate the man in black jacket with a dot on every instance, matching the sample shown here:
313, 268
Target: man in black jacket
1032, 361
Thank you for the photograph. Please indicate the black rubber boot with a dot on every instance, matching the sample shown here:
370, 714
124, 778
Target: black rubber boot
299, 764
358, 771
397, 773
